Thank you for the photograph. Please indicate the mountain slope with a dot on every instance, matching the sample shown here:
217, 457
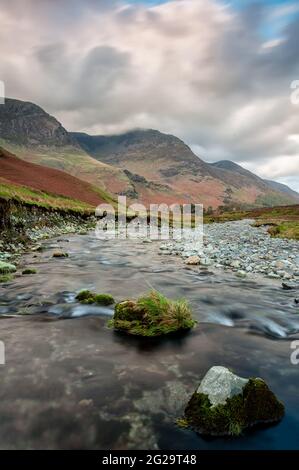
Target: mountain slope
165, 159
283, 188
235, 170
33, 135
162, 160
54, 182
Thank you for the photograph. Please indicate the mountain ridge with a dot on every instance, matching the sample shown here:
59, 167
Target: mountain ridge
27, 131
236, 168
164, 158
146, 165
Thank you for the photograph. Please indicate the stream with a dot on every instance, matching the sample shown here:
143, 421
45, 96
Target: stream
70, 382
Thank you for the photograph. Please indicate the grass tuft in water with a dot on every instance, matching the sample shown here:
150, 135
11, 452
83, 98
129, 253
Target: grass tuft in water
152, 315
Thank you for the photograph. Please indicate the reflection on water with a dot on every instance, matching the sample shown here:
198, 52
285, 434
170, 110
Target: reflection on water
70, 382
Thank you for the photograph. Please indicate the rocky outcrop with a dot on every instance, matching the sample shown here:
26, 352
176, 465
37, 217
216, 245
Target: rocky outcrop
25, 123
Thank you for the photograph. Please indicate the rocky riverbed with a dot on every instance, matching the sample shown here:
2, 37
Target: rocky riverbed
242, 248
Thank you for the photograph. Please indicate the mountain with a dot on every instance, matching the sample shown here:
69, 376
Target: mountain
33, 135
145, 165
25, 123
283, 188
19, 173
166, 160
236, 169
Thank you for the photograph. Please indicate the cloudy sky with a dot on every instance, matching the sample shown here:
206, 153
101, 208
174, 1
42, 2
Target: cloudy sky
216, 73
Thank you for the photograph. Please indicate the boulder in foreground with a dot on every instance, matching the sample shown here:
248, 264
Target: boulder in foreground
152, 315
225, 404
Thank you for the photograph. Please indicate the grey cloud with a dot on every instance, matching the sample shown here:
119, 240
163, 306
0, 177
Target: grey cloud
192, 68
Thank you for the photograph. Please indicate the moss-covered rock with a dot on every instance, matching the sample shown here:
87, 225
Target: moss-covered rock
104, 299
88, 297
228, 405
84, 295
29, 271
152, 315
7, 268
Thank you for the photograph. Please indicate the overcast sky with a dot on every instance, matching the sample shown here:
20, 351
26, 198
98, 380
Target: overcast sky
215, 73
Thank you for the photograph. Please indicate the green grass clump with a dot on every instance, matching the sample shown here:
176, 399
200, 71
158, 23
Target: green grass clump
88, 297
29, 271
7, 268
152, 315
285, 230
6, 278
256, 404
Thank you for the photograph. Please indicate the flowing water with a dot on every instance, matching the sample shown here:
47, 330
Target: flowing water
71, 382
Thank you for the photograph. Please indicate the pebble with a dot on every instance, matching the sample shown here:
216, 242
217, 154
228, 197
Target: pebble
193, 260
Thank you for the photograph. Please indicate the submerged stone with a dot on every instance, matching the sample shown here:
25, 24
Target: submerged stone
29, 271
290, 285
226, 404
60, 254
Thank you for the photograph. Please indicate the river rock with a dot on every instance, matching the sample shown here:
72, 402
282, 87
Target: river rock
289, 286
220, 383
6, 268
226, 404
60, 254
235, 263
272, 275
241, 273
193, 260
205, 261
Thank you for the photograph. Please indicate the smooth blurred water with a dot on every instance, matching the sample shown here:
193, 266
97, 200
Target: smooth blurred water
70, 382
